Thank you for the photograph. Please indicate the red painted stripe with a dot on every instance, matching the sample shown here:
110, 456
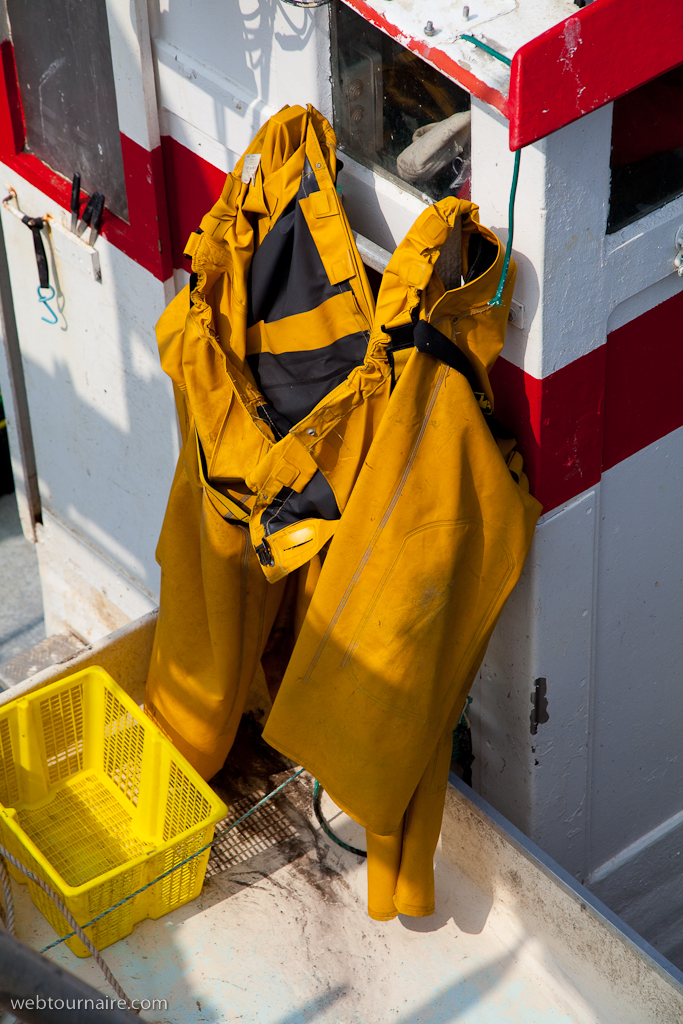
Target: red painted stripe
12, 135
644, 377
437, 58
192, 185
599, 410
558, 424
147, 239
596, 55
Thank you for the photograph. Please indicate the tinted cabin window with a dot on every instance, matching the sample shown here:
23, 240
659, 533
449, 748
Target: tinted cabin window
386, 98
66, 83
647, 149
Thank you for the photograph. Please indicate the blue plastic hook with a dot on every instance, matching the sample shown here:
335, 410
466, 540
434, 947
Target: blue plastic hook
46, 299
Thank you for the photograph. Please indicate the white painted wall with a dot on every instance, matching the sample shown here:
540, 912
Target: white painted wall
572, 278
599, 608
102, 417
637, 753
101, 410
545, 632
223, 70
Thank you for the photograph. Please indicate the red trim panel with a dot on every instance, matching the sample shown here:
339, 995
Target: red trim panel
12, 134
437, 58
146, 238
558, 424
599, 410
605, 50
192, 185
644, 377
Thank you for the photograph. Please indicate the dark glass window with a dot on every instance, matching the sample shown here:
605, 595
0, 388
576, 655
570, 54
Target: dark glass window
394, 112
647, 149
66, 81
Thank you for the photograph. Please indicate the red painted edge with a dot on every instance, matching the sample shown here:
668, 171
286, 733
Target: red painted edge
146, 238
644, 378
598, 54
437, 58
557, 422
587, 417
193, 185
12, 135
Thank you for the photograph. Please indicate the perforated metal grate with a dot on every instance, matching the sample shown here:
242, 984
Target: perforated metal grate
266, 828
62, 718
124, 740
185, 807
70, 831
9, 791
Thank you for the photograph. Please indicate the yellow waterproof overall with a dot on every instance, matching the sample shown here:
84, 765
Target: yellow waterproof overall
346, 510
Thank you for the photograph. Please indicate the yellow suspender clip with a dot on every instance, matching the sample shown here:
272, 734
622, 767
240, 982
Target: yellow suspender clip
228, 509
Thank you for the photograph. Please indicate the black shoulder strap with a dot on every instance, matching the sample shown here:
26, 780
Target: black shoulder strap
432, 342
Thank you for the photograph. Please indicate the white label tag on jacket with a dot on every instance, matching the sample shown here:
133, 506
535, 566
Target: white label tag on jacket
251, 162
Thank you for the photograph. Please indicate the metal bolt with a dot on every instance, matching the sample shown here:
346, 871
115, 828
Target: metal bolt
355, 89
357, 114
429, 29
311, 431
465, 13
678, 261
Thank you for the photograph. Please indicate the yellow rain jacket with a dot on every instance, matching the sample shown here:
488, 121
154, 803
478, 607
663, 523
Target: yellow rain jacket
346, 510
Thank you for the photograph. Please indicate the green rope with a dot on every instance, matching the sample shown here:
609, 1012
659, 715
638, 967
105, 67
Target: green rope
489, 49
498, 297
325, 826
317, 795
496, 301
462, 721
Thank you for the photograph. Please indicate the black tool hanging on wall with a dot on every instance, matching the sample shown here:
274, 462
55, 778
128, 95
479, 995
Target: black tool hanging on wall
92, 216
36, 225
75, 200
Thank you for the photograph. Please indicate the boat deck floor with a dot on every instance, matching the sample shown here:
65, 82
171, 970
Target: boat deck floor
280, 933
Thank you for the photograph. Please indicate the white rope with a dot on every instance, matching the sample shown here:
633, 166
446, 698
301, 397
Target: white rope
9, 900
90, 946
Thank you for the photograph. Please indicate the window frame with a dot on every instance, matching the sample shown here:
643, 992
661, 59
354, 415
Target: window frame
145, 238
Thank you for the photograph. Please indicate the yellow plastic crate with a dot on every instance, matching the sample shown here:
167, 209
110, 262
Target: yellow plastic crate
95, 800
